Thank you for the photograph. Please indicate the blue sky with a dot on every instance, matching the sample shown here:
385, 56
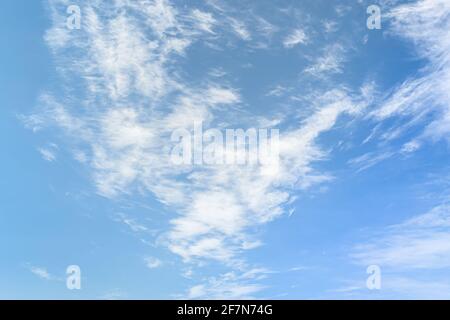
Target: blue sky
363, 178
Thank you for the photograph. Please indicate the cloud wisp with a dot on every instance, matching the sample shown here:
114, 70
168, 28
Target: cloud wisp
425, 24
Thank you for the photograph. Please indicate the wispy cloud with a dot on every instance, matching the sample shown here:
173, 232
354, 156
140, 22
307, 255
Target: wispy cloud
240, 29
130, 222
330, 62
231, 285
48, 154
422, 242
115, 294
152, 262
425, 96
297, 37
278, 91
41, 272
369, 160
203, 20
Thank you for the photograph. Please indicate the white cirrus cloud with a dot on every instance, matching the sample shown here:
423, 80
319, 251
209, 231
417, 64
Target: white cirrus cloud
47, 154
330, 62
422, 242
152, 262
41, 272
423, 99
297, 37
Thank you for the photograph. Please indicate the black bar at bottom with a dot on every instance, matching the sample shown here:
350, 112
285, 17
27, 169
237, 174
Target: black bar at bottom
230, 309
